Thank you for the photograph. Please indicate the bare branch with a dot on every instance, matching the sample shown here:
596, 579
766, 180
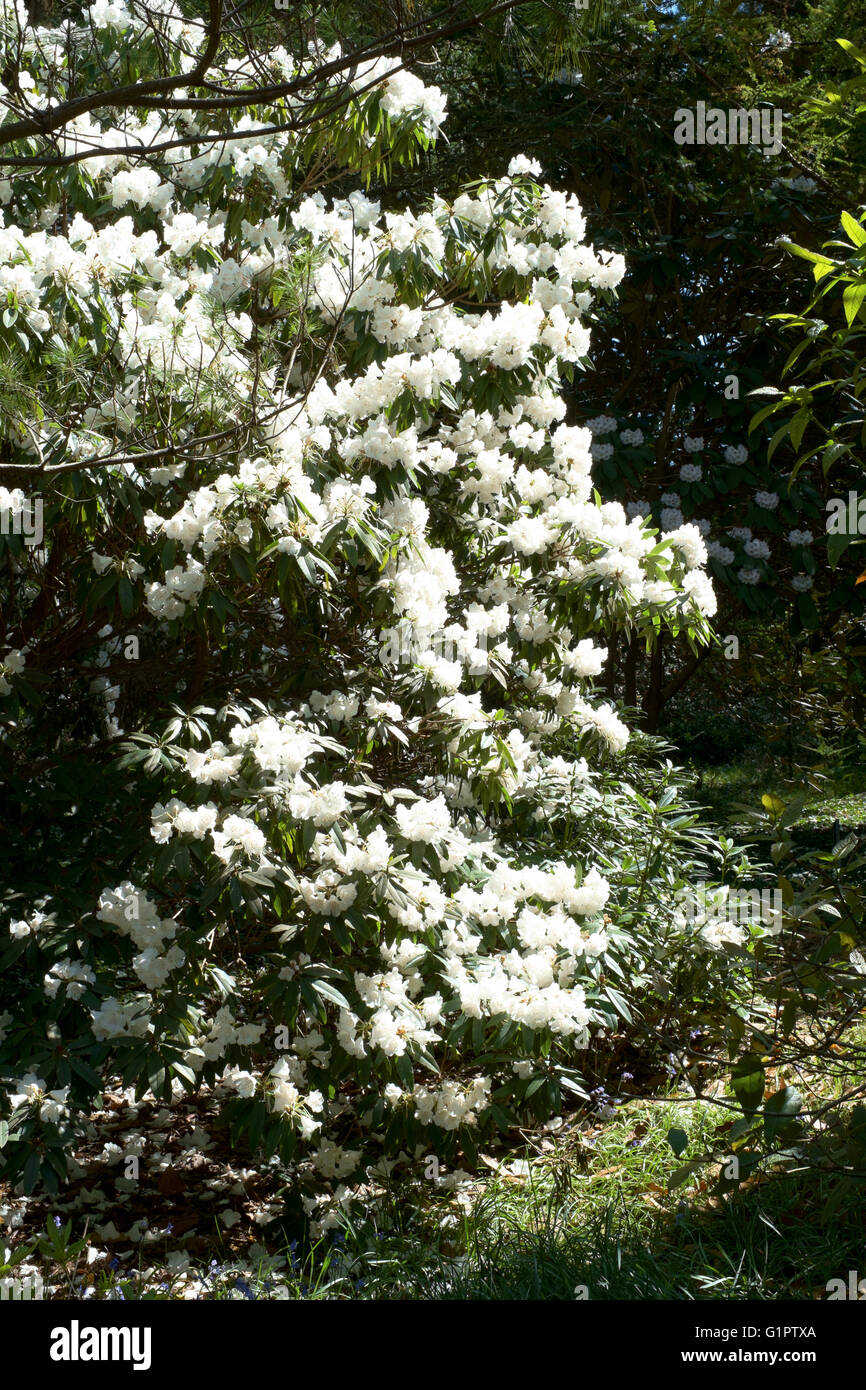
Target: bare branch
156, 92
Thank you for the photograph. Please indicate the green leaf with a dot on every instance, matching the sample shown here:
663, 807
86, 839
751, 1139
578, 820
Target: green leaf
126, 594
679, 1175
328, 991
836, 547
798, 426
30, 1176
780, 1109
678, 1140
852, 299
789, 1016
814, 256
86, 1072
747, 1080
856, 232
241, 565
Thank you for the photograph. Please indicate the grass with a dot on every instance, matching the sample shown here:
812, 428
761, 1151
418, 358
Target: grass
608, 1228
585, 1213
850, 811
729, 792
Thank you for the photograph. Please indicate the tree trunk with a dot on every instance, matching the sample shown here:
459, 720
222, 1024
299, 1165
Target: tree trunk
610, 666
652, 704
631, 673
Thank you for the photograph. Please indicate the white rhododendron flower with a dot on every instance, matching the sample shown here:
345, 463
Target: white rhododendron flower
335, 559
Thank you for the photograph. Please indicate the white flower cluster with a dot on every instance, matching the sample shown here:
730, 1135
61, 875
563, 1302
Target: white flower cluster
671, 515
736, 453
12, 663
801, 184
30, 1091
451, 1105
400, 93
169, 600
417, 497
757, 549
74, 975
135, 916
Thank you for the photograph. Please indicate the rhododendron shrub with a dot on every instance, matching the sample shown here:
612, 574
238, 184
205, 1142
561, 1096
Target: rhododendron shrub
308, 649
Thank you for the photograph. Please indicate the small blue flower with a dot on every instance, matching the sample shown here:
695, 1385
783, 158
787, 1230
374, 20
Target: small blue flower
58, 1223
